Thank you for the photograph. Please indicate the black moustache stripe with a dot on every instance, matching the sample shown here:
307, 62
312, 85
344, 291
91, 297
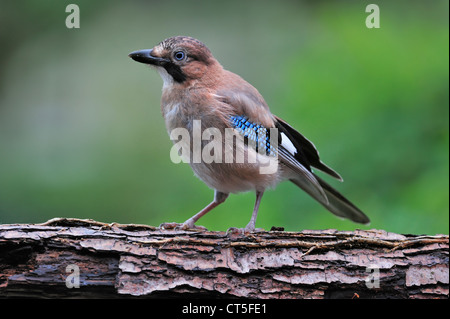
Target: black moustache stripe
175, 72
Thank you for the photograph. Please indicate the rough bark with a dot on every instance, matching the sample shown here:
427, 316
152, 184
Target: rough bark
43, 260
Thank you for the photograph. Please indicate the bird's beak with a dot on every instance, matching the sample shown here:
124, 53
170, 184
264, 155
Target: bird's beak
145, 56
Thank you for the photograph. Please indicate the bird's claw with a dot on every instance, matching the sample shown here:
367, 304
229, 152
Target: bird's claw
243, 231
182, 226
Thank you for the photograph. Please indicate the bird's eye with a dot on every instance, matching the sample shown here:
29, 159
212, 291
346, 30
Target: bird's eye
179, 55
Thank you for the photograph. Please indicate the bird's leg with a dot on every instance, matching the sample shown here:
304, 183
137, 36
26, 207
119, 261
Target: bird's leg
251, 224
219, 198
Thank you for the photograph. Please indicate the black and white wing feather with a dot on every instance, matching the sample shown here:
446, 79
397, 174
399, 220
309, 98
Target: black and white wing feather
295, 147
299, 155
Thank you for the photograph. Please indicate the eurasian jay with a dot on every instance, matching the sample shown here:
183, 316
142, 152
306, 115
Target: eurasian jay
198, 93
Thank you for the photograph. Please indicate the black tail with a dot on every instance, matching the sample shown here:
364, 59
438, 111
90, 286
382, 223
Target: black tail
337, 203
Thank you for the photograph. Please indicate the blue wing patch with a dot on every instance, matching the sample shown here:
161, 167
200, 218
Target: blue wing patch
258, 134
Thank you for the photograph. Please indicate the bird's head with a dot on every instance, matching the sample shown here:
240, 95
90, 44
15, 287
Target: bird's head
178, 59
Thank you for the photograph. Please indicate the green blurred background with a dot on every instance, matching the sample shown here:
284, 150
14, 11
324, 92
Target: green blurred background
81, 133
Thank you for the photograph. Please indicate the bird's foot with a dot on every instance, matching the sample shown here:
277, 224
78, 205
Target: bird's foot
243, 231
187, 225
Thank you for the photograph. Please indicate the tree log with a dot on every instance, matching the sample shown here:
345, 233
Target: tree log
69, 258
